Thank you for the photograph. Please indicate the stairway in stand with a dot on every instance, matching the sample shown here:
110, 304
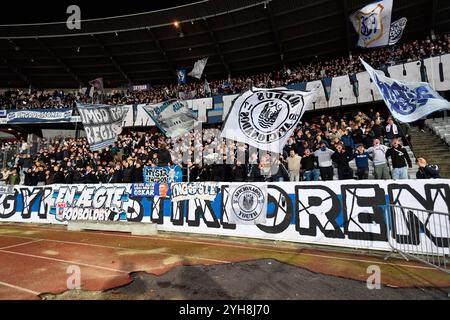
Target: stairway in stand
432, 148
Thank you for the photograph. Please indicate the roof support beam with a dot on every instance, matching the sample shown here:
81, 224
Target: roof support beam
161, 50
58, 59
25, 78
275, 32
17, 71
113, 61
347, 25
217, 45
434, 8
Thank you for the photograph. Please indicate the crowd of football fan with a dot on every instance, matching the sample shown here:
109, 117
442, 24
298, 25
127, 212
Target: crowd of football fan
379, 58
312, 153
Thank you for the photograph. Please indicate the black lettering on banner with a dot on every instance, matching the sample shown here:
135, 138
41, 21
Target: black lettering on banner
371, 196
309, 204
225, 192
412, 223
177, 212
204, 209
36, 194
134, 215
157, 209
282, 207
8, 205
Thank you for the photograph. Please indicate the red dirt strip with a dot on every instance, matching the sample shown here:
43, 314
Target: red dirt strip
35, 259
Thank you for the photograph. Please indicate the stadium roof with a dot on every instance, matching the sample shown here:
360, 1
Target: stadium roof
239, 36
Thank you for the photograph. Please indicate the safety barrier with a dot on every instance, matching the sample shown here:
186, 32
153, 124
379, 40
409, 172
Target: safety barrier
406, 228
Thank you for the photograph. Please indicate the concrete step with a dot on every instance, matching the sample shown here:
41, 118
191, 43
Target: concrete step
135, 228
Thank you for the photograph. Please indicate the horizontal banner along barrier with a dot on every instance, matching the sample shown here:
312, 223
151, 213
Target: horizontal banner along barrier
337, 213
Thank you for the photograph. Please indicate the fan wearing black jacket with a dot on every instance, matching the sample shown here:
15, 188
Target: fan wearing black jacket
341, 157
58, 177
90, 177
400, 158
309, 165
164, 157
138, 172
427, 171
238, 172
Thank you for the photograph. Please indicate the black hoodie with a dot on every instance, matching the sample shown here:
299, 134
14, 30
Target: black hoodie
399, 157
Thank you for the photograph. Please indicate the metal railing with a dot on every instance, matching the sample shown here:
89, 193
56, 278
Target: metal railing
422, 235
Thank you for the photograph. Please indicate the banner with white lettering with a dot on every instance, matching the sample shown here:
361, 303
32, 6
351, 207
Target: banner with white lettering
39, 116
102, 123
167, 174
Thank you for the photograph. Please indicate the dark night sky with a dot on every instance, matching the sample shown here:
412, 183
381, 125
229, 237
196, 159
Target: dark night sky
16, 11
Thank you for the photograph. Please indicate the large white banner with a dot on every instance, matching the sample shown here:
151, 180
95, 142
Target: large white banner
266, 118
372, 23
338, 213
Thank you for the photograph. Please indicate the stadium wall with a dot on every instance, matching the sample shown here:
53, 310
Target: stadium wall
335, 213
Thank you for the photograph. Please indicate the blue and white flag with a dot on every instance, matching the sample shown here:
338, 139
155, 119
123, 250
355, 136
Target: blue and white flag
39, 116
396, 31
172, 117
162, 174
407, 101
182, 77
372, 23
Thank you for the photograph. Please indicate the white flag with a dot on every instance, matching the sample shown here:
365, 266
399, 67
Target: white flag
372, 23
247, 204
199, 66
173, 117
397, 29
266, 118
407, 101
87, 91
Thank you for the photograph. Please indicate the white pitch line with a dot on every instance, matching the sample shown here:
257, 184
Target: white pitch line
65, 261
21, 244
247, 247
113, 247
18, 288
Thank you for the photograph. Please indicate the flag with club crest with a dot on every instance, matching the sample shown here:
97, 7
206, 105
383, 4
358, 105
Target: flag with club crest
372, 23
181, 75
396, 32
407, 101
266, 118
